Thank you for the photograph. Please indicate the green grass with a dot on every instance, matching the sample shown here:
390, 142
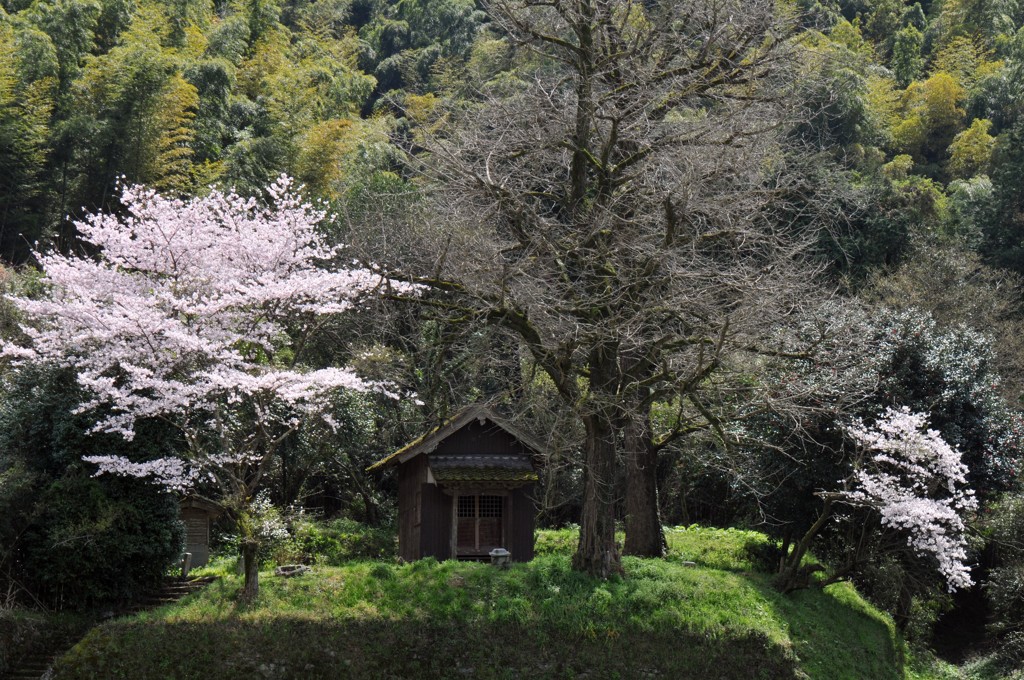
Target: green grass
664, 619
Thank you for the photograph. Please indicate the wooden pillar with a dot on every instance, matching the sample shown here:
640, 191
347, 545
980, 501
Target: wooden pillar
455, 527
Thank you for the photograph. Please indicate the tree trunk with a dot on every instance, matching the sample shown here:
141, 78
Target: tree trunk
597, 553
369, 508
644, 536
792, 576
251, 565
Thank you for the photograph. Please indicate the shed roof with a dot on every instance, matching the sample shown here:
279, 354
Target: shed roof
468, 468
429, 441
194, 502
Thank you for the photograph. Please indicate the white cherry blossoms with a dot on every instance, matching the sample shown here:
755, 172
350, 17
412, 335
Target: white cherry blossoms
918, 484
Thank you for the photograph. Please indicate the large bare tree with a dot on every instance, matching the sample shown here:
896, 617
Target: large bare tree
621, 203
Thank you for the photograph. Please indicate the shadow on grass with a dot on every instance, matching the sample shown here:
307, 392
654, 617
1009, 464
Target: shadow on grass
454, 620
295, 648
836, 635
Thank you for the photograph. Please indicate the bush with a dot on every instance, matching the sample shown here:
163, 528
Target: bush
68, 539
340, 540
98, 541
557, 541
331, 542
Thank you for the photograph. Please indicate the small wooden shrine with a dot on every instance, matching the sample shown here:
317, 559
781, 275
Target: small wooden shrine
196, 514
465, 488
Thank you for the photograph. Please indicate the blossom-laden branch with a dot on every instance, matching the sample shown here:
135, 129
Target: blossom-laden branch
918, 484
171, 473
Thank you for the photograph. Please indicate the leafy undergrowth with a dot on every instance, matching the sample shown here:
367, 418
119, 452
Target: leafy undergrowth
665, 618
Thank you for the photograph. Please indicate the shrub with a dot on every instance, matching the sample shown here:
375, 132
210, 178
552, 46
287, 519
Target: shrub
332, 542
69, 540
346, 539
93, 542
557, 541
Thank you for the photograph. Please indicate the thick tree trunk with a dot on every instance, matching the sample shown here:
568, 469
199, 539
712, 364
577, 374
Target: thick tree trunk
597, 553
644, 536
251, 565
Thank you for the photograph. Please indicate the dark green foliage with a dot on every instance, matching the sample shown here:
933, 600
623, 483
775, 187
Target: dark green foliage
407, 39
229, 39
115, 15
888, 213
996, 97
254, 162
884, 21
96, 541
836, 113
914, 16
324, 468
906, 55
969, 206
214, 81
67, 539
71, 25
263, 15
1004, 589
1004, 227
28, 79
818, 15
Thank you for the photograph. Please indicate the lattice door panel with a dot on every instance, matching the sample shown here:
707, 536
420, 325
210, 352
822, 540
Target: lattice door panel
479, 522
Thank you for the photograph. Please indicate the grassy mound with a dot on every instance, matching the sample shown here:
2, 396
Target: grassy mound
720, 619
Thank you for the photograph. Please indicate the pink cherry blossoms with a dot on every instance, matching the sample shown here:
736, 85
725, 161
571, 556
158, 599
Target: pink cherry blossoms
917, 483
171, 473
190, 311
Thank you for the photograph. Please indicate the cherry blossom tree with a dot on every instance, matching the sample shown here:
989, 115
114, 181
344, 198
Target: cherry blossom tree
197, 312
917, 484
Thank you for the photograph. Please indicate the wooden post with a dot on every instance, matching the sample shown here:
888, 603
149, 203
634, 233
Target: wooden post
455, 527
186, 564
251, 564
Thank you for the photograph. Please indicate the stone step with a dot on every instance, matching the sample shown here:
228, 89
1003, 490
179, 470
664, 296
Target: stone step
36, 665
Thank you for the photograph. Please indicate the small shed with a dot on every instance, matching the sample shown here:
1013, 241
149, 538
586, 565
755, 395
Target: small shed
465, 488
196, 514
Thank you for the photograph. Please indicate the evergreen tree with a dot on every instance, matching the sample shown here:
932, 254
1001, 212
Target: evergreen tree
906, 55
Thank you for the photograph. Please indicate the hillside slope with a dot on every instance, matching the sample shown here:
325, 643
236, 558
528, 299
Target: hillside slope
719, 619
